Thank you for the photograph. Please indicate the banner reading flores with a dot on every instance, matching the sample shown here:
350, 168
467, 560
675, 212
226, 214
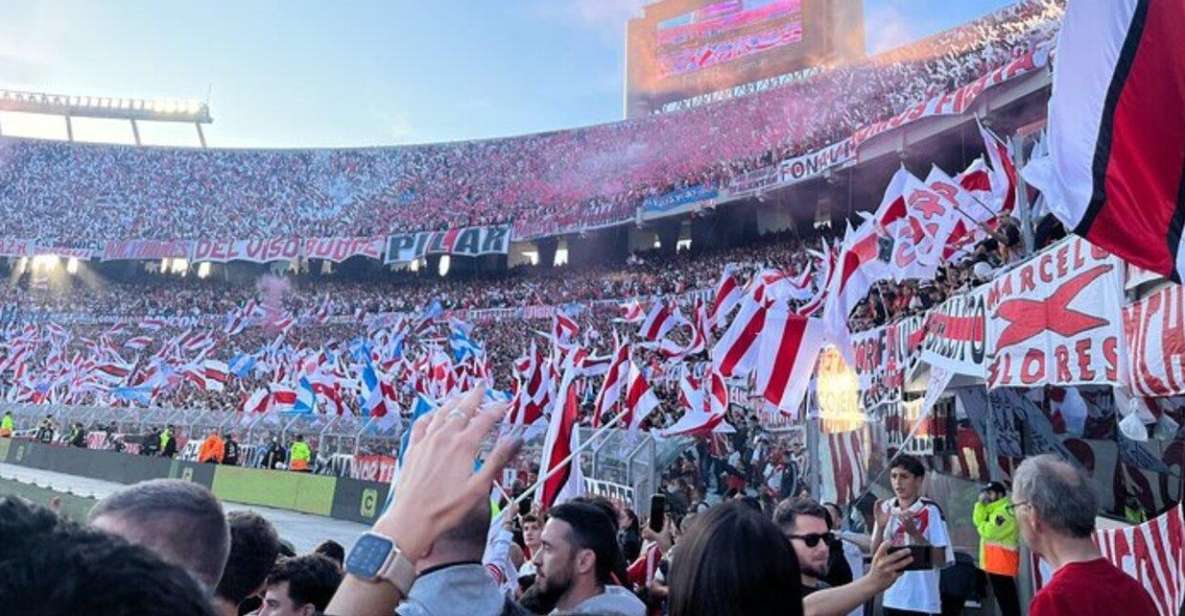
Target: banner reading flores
1055, 319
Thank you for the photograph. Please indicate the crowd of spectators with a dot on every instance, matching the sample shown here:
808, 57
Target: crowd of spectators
543, 183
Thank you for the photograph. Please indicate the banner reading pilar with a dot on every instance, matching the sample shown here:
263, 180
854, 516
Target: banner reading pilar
469, 242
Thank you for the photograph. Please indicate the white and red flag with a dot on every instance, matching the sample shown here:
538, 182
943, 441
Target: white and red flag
728, 295
660, 320
611, 388
1115, 173
640, 400
786, 360
558, 465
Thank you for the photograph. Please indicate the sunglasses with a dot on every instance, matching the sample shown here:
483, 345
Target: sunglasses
813, 539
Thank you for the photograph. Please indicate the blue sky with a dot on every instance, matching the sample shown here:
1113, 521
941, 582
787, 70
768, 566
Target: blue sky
292, 73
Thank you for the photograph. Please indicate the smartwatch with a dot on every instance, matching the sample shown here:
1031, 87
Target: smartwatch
376, 558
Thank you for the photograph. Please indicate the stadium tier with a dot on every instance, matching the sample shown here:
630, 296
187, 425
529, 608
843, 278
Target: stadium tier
817, 293
546, 183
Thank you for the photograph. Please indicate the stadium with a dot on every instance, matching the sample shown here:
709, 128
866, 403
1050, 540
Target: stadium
791, 274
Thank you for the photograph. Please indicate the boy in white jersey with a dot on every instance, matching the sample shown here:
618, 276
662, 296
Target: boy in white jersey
909, 519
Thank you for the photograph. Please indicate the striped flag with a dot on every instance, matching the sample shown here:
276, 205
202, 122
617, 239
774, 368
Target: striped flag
1115, 172
640, 400
728, 295
786, 360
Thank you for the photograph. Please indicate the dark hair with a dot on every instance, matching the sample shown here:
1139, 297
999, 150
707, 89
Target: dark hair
789, 510
49, 565
909, 464
530, 517
734, 560
311, 578
592, 529
179, 520
254, 546
332, 550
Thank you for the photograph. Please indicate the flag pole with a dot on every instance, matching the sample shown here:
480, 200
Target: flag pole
583, 445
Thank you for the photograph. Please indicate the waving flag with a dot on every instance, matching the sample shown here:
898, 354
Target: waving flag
1114, 173
306, 398
137, 343
257, 402
789, 346
640, 400
728, 295
660, 321
217, 374
610, 394
561, 440
563, 328
632, 312
735, 351
241, 365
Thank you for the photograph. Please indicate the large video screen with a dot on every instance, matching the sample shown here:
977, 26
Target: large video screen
723, 32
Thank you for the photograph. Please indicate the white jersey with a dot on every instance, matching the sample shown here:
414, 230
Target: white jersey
917, 590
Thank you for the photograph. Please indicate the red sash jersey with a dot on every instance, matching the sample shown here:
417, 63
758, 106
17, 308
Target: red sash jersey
1092, 588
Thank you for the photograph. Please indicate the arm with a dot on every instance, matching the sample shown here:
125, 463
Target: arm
878, 527
885, 570
979, 516
441, 452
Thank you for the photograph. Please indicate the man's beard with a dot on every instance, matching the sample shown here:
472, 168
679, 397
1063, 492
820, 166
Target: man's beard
812, 570
541, 598
539, 601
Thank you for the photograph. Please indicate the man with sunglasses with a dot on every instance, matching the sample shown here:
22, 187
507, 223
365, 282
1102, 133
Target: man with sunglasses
804, 522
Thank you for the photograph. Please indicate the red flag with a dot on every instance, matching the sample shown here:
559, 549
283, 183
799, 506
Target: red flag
1115, 173
789, 346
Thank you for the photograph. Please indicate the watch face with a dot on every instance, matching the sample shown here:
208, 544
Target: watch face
368, 555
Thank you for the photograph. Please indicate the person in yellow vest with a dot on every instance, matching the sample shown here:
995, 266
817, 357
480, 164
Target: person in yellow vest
6, 425
299, 455
999, 556
212, 448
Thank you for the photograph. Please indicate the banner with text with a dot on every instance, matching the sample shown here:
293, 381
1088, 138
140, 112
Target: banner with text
255, 251
677, 200
1055, 319
469, 242
807, 166
956, 338
136, 250
1155, 331
883, 357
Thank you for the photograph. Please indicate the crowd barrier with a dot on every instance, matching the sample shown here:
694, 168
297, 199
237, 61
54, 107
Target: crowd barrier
341, 498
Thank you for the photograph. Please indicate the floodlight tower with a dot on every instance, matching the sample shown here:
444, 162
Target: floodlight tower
131, 109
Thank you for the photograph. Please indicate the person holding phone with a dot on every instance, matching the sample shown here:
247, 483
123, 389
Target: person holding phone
911, 522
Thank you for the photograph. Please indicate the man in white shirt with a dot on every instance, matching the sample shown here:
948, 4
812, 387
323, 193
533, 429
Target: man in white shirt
906, 520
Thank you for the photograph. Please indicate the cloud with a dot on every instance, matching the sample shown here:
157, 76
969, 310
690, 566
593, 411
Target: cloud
887, 26
607, 17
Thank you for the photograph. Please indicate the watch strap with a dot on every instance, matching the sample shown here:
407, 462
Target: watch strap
399, 571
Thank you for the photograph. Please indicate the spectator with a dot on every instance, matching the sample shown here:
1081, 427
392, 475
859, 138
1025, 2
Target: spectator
999, 554
181, 521
299, 455
846, 562
804, 523
49, 565
575, 565
452, 580
213, 448
910, 519
300, 586
168, 443
254, 547
332, 550
733, 560
275, 454
1055, 507
230, 451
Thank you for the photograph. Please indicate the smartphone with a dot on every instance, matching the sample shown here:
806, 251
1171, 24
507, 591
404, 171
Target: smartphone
658, 512
922, 556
